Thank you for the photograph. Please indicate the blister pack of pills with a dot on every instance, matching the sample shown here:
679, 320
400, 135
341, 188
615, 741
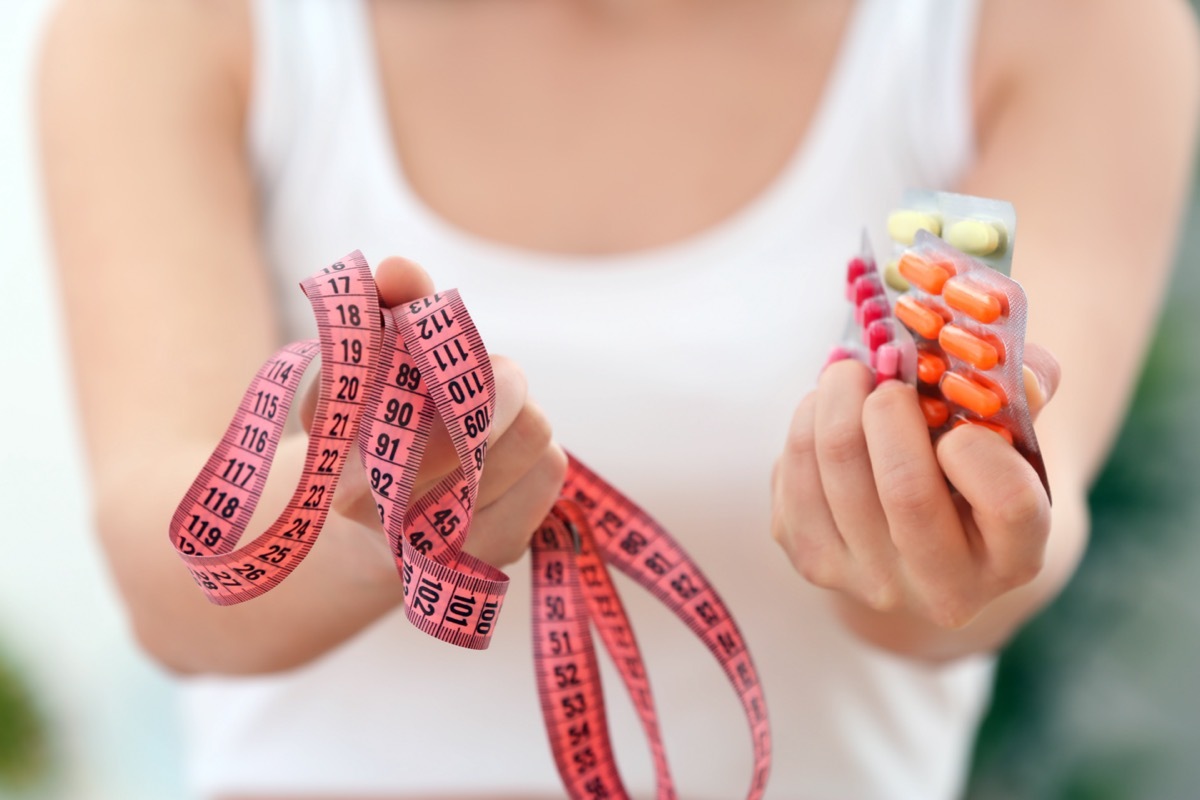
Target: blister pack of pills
957, 330
976, 226
873, 335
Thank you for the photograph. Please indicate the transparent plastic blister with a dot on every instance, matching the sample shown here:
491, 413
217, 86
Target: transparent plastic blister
975, 226
872, 334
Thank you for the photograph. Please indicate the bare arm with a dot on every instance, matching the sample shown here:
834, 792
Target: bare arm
170, 313
1088, 126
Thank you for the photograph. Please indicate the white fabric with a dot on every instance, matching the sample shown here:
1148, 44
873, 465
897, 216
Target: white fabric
848, 722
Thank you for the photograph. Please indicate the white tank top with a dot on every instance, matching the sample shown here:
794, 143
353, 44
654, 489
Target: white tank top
849, 722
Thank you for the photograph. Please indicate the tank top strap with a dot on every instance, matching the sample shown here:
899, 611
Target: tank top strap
941, 122
912, 78
309, 60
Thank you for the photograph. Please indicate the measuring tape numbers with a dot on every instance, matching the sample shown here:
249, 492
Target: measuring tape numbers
385, 374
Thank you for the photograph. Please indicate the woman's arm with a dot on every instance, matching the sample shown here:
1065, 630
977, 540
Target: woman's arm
1087, 124
153, 213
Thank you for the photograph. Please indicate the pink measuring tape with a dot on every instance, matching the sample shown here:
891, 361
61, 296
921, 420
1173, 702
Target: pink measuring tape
385, 374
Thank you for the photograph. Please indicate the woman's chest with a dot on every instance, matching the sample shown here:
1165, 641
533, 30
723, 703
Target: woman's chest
551, 130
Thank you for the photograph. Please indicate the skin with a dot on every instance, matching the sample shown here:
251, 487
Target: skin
704, 122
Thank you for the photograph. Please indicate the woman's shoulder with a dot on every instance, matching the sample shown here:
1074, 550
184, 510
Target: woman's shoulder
1107, 46
147, 48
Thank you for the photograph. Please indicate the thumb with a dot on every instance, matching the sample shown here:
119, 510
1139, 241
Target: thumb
400, 280
308, 403
1042, 373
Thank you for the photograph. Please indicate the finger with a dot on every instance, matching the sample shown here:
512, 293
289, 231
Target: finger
400, 280
845, 465
921, 514
308, 403
523, 444
800, 517
1006, 497
440, 458
501, 532
353, 498
1041, 373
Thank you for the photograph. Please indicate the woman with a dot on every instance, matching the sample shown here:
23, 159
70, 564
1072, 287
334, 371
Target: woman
604, 181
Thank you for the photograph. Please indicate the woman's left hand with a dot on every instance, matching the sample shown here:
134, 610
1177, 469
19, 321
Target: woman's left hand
863, 504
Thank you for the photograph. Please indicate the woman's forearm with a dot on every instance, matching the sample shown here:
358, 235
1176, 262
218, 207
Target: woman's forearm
346, 582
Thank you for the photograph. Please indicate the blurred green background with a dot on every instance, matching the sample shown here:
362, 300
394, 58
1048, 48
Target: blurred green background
1098, 698
23, 754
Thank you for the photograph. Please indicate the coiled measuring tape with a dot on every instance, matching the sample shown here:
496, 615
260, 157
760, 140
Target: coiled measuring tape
385, 374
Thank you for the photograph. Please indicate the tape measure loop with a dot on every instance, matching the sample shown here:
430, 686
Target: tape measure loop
382, 386
624, 535
216, 510
568, 676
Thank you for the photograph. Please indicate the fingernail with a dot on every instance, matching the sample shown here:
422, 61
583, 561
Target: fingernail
887, 363
1034, 393
837, 353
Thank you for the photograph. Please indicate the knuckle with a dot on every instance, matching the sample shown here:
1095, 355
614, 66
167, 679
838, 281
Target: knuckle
554, 464
887, 397
905, 490
812, 558
501, 547
953, 607
943, 603
507, 553
1025, 508
962, 445
800, 440
1016, 575
520, 544
952, 613
543, 486
816, 560
845, 374
532, 427
815, 563
842, 442
819, 573
779, 530
800, 448
882, 593
511, 383
1020, 576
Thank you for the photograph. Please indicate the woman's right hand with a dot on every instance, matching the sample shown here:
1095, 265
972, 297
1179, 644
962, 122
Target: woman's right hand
524, 470
155, 214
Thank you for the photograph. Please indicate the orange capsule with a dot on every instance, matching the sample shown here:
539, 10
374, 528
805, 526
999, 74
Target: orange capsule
921, 318
970, 394
976, 351
979, 303
930, 367
929, 275
936, 411
1000, 429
